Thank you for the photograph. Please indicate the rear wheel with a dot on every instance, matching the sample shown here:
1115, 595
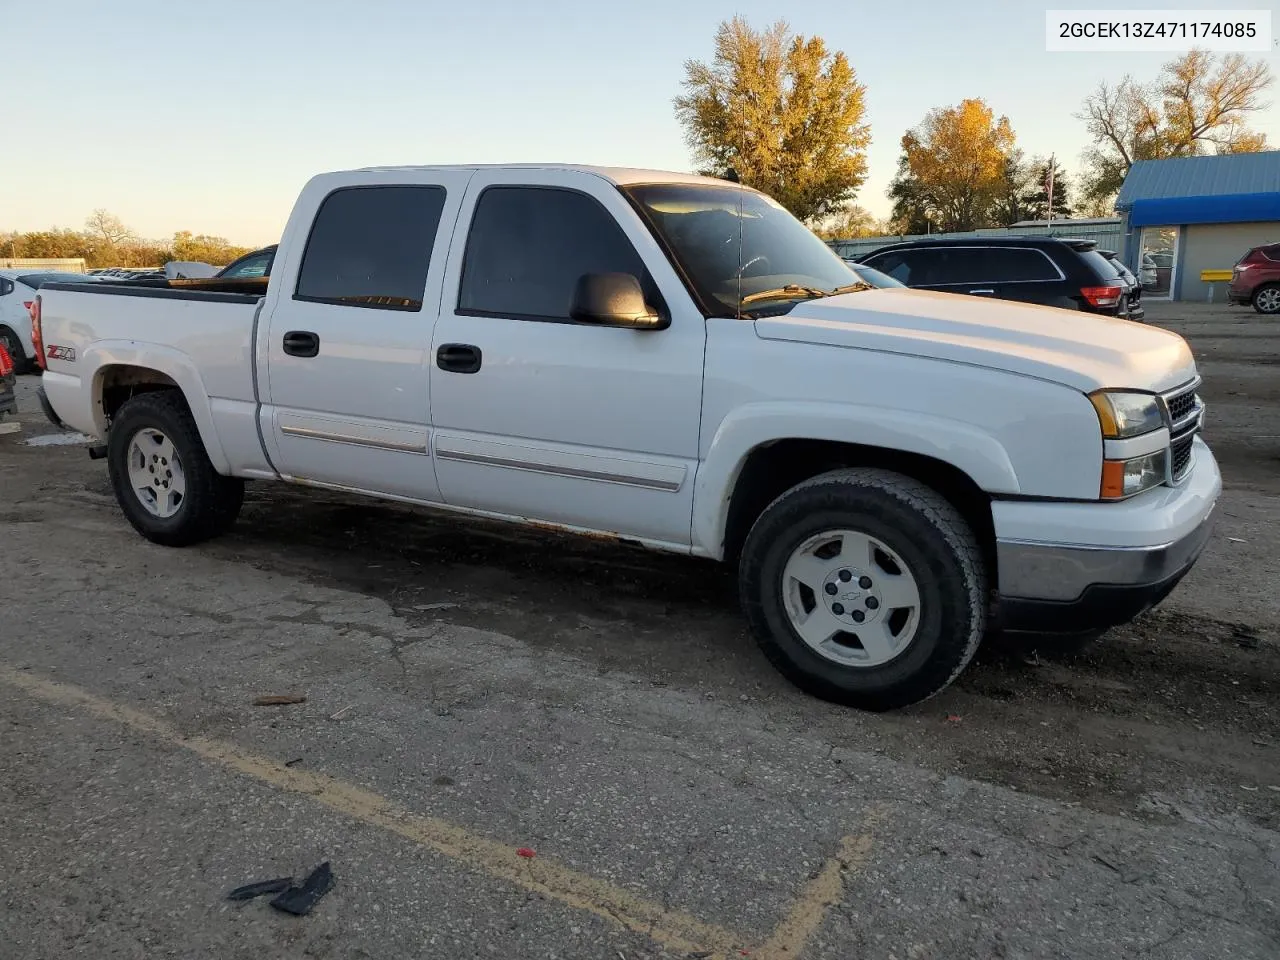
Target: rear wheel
1267, 299
865, 587
162, 476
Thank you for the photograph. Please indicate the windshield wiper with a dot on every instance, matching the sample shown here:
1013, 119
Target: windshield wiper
849, 288
783, 293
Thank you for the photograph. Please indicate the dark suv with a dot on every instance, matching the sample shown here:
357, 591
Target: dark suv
1045, 270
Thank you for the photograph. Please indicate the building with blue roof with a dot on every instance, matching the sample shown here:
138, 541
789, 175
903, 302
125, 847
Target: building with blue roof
1189, 214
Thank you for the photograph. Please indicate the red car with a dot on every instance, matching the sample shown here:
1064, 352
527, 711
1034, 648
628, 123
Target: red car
1256, 279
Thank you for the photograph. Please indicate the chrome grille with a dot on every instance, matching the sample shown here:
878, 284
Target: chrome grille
1184, 414
1182, 405
1180, 457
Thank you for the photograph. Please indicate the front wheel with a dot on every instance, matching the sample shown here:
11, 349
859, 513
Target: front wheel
162, 476
865, 587
1267, 299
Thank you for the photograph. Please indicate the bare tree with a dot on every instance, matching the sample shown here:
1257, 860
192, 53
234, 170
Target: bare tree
108, 228
1200, 103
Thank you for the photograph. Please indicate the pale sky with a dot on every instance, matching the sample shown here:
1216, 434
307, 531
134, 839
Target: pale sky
210, 116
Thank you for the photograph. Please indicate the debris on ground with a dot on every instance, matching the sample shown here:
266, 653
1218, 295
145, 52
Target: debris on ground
279, 700
526, 852
342, 713
300, 901
251, 890
294, 762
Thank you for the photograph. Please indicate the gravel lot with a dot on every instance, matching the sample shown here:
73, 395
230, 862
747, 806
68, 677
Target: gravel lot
472, 689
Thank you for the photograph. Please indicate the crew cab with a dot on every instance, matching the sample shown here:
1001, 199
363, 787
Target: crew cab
678, 363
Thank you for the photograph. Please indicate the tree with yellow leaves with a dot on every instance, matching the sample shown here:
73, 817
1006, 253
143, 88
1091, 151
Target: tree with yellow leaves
952, 168
780, 111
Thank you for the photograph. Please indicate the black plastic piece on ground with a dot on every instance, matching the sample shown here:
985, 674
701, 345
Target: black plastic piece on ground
99, 452
251, 890
300, 900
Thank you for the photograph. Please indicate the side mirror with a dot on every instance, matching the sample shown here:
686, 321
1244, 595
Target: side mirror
613, 300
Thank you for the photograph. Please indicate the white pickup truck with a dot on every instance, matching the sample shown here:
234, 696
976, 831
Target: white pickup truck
671, 361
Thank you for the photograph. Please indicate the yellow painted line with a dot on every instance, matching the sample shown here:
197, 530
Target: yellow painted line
821, 893
673, 929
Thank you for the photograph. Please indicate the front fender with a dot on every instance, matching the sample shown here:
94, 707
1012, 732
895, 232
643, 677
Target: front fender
174, 364
977, 454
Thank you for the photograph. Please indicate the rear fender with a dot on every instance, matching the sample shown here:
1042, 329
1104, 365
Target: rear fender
175, 365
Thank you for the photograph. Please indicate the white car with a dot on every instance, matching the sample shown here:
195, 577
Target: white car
17, 292
672, 362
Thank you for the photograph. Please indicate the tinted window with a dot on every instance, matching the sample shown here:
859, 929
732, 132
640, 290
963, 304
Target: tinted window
255, 266
6, 286
1103, 267
1272, 252
529, 245
1010, 265
371, 246
909, 267
962, 265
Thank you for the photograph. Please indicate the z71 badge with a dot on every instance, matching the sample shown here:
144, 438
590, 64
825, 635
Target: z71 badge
61, 353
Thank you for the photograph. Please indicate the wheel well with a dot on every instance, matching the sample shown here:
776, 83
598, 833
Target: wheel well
774, 468
120, 382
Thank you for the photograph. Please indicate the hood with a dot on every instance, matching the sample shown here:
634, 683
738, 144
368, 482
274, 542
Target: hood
1081, 350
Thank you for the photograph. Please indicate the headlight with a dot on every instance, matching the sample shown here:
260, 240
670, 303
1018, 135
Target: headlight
1124, 414
1124, 478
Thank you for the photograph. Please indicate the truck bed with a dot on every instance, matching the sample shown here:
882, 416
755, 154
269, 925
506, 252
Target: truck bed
202, 339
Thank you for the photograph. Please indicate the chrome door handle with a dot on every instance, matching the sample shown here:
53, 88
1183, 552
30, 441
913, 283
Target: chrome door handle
981, 291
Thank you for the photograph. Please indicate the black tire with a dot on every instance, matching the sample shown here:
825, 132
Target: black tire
13, 346
1270, 304
211, 503
930, 537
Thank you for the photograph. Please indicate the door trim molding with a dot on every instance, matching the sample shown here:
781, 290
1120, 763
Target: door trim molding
381, 436
668, 478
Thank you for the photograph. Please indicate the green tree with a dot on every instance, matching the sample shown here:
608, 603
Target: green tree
782, 112
1010, 203
205, 249
1036, 199
1200, 103
848, 223
953, 166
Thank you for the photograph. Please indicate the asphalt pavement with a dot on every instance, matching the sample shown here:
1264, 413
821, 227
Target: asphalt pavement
514, 745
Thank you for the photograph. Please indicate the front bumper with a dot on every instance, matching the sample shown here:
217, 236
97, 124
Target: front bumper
1141, 549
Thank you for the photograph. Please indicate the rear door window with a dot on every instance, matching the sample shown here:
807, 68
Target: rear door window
962, 265
1013, 265
371, 247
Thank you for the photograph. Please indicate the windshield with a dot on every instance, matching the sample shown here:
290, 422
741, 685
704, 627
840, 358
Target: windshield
873, 276
766, 257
